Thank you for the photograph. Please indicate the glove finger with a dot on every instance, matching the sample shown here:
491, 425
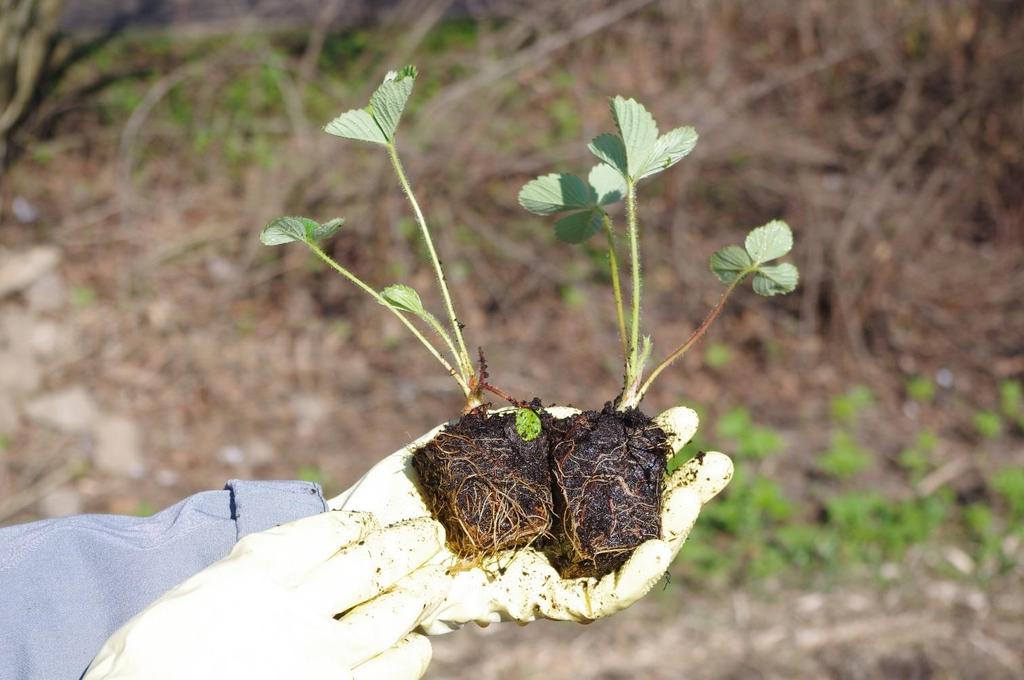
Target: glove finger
362, 570
679, 510
645, 567
372, 627
706, 473
531, 588
388, 490
689, 488
406, 660
680, 424
308, 543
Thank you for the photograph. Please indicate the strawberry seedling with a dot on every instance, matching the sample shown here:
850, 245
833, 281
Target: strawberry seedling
587, 488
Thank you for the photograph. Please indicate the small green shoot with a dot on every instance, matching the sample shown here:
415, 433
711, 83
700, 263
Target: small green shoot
377, 123
636, 152
527, 424
732, 265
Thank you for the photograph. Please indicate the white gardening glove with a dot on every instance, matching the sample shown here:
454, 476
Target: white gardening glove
522, 585
266, 611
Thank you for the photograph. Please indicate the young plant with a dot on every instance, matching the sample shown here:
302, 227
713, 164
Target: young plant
506, 480
587, 480
635, 153
377, 124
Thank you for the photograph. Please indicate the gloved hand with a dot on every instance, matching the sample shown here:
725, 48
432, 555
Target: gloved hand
266, 611
522, 585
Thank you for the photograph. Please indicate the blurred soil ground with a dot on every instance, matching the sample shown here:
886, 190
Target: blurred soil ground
151, 348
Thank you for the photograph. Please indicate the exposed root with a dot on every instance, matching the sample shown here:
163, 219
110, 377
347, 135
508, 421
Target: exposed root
587, 491
490, 489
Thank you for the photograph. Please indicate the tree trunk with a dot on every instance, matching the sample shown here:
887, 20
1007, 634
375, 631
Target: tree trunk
27, 28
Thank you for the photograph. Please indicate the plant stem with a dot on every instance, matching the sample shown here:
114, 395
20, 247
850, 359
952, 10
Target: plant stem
439, 329
613, 264
690, 342
632, 370
408, 324
465, 363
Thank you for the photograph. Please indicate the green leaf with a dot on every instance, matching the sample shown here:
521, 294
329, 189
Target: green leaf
554, 193
771, 241
609, 148
638, 130
527, 424
357, 124
288, 229
388, 102
729, 263
404, 299
607, 183
579, 226
670, 148
775, 279
325, 230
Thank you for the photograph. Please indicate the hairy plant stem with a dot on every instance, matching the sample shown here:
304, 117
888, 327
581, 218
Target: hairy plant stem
613, 265
408, 324
634, 256
443, 334
464, 361
634, 369
690, 341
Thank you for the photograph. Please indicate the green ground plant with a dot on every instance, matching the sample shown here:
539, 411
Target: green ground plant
916, 459
757, 529
988, 424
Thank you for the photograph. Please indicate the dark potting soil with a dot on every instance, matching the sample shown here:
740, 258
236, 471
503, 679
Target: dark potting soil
608, 470
587, 491
490, 489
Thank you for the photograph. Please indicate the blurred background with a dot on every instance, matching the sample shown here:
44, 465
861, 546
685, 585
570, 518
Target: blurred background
150, 347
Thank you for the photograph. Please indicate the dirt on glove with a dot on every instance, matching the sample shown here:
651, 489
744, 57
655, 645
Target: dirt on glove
587, 491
